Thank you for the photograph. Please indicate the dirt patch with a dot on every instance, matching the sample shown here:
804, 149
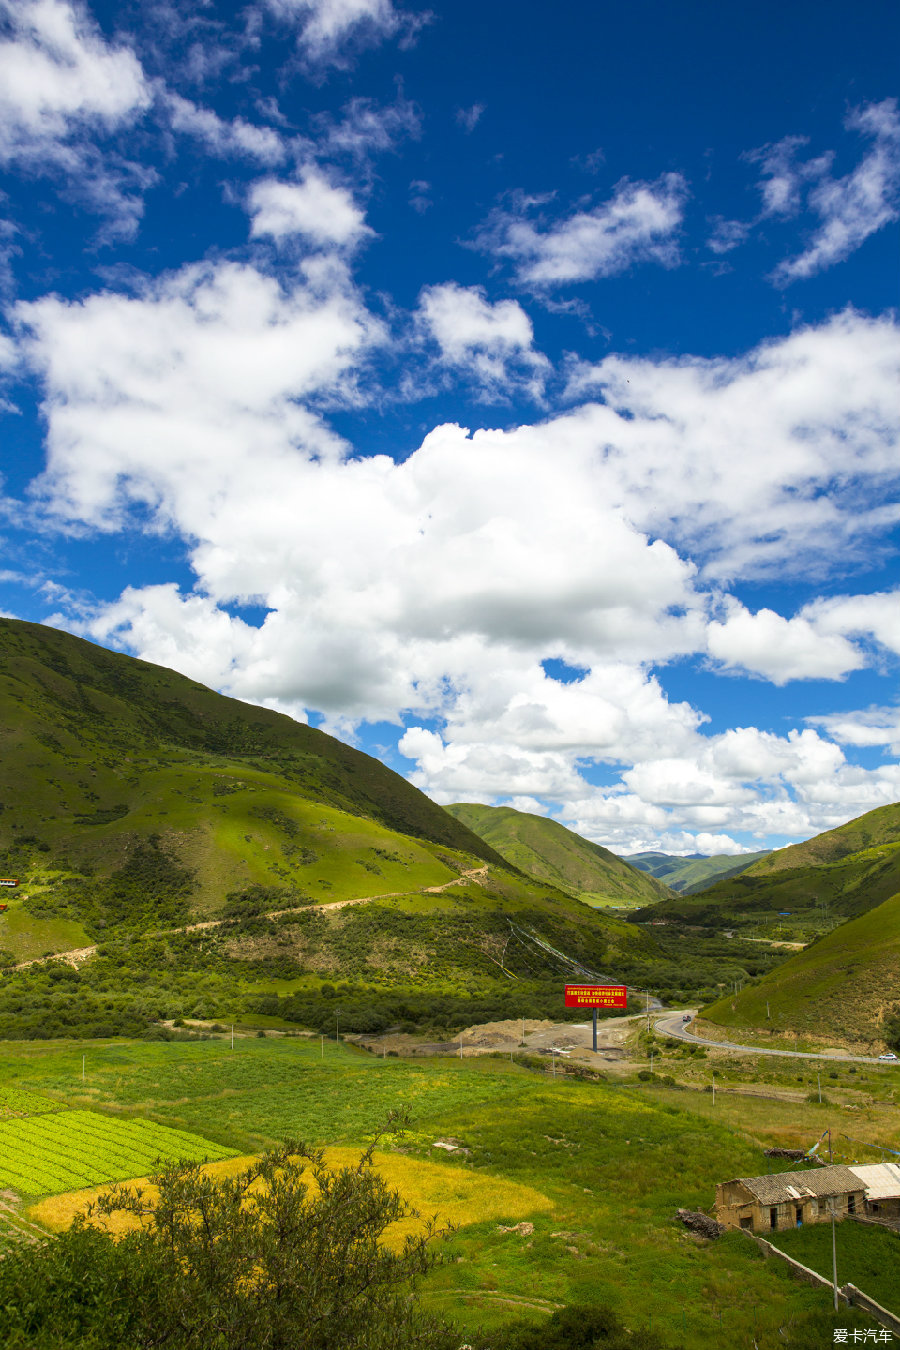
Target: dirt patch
572, 1042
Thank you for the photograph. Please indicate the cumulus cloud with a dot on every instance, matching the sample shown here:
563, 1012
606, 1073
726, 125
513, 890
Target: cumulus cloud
312, 208
491, 342
850, 208
875, 616
57, 73
788, 456
63, 89
868, 727
780, 649
429, 589
639, 223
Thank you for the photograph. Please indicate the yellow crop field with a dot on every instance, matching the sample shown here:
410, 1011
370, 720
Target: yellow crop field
453, 1194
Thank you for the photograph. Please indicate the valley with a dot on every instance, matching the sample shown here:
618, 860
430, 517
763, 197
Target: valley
230, 929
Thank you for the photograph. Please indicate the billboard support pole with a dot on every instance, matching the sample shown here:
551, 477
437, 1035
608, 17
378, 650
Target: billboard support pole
595, 1031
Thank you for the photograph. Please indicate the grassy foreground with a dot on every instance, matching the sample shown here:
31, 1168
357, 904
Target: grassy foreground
609, 1164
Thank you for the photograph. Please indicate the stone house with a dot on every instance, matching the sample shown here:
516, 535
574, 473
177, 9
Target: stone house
789, 1199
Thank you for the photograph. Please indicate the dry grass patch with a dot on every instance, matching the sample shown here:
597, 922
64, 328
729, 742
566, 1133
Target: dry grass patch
454, 1194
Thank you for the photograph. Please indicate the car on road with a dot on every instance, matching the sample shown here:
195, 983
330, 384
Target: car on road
891, 1057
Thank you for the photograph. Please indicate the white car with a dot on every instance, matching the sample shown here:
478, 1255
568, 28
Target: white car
890, 1056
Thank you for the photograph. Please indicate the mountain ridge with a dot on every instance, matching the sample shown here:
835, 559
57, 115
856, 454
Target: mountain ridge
547, 850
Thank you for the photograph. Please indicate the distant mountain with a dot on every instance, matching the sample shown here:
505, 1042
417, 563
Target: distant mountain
836, 875
545, 849
838, 990
695, 871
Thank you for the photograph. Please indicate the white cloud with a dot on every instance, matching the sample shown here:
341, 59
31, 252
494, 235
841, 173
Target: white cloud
639, 223
193, 378
787, 457
431, 588
868, 727
727, 235
312, 208
365, 128
850, 208
875, 616
237, 138
468, 118
491, 342
326, 26
57, 74
780, 649
785, 175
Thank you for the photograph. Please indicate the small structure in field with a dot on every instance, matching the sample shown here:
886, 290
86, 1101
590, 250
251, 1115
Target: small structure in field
790, 1199
882, 1183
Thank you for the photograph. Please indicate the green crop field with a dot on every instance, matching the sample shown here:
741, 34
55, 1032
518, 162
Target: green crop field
613, 1161
63, 1150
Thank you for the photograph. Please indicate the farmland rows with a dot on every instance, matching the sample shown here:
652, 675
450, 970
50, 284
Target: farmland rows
71, 1149
20, 1102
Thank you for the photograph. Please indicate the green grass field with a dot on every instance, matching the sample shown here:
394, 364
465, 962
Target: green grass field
868, 1257
614, 1161
837, 988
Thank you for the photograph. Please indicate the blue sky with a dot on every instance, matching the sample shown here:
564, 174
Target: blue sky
511, 391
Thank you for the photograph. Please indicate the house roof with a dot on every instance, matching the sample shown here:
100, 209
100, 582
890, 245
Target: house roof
822, 1181
881, 1180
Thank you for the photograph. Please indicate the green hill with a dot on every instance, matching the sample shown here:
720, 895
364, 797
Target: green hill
545, 849
695, 872
135, 800
837, 991
834, 876
881, 826
125, 786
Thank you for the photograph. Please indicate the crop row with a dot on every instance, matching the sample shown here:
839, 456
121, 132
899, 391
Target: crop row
21, 1102
71, 1149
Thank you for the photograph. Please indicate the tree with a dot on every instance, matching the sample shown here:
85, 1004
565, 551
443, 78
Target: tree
287, 1255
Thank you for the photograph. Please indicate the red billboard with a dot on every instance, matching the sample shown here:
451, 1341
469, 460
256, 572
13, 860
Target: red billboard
596, 996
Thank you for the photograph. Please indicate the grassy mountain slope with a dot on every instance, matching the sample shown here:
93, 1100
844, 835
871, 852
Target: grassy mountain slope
881, 826
135, 800
834, 876
547, 850
128, 791
695, 873
838, 990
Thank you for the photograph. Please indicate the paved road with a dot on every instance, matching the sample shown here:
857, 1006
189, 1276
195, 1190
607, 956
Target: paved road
672, 1025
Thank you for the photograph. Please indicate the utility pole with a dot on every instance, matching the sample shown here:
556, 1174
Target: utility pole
767, 1010
834, 1258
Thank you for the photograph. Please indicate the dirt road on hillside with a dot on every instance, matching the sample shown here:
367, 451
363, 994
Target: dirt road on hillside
78, 955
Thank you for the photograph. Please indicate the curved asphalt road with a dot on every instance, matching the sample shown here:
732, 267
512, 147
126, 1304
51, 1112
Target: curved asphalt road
673, 1026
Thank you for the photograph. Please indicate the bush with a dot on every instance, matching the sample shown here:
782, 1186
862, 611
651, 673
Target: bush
262, 1259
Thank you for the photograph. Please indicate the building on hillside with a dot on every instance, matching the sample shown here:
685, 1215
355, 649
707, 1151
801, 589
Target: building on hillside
789, 1199
882, 1183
